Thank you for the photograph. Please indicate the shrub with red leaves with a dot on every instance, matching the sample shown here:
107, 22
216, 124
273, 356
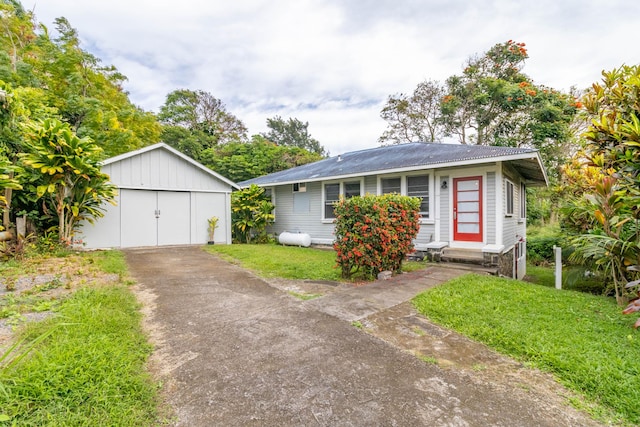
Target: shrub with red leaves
375, 233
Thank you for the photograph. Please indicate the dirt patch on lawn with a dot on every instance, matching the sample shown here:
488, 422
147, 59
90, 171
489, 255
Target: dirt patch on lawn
24, 297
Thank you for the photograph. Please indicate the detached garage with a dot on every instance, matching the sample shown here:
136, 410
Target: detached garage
164, 198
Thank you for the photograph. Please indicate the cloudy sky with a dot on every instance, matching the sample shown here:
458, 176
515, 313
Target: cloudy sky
333, 63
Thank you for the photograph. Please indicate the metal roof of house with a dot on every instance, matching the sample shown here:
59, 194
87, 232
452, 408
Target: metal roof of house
406, 157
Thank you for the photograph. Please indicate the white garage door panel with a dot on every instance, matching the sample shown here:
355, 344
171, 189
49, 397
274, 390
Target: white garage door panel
174, 222
152, 218
139, 224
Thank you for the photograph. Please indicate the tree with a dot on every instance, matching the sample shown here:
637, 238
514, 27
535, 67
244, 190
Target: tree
292, 133
7, 182
72, 183
242, 161
204, 117
416, 117
90, 96
494, 103
77, 88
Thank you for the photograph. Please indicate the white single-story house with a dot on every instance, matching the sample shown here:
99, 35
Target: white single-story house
473, 197
164, 198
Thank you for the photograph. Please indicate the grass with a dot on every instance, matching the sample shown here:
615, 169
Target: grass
581, 338
89, 369
289, 262
430, 360
573, 278
544, 231
109, 261
544, 276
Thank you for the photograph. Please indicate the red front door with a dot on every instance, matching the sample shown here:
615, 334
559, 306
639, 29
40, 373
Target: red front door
467, 209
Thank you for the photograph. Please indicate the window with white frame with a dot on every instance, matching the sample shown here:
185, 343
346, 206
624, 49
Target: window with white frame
331, 196
418, 186
391, 185
508, 198
333, 191
523, 200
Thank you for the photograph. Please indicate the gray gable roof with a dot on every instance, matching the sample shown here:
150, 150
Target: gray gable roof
404, 157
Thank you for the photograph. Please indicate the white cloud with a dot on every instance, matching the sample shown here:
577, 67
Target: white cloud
333, 63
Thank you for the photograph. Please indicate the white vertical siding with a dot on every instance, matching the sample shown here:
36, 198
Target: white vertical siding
490, 209
445, 208
205, 206
290, 217
161, 169
105, 231
510, 222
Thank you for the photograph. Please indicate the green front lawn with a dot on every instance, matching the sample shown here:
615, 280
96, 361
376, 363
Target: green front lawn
289, 262
583, 339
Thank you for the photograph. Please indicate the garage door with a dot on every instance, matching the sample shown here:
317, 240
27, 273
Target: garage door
152, 218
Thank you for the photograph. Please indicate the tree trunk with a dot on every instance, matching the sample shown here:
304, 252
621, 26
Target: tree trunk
6, 214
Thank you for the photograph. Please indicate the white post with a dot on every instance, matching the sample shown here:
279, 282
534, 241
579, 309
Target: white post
558, 272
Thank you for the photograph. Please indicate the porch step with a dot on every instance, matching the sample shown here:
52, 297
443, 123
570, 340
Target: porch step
473, 268
466, 256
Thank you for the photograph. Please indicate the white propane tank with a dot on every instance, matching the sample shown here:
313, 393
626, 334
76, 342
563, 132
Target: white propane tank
294, 239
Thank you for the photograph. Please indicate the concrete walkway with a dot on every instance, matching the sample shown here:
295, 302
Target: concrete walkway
233, 351
358, 302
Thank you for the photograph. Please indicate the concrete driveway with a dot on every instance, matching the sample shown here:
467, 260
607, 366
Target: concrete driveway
232, 350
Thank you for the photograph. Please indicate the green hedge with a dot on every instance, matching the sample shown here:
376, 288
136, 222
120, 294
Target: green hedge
540, 249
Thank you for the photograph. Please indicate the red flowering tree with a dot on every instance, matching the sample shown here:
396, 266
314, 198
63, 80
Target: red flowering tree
375, 233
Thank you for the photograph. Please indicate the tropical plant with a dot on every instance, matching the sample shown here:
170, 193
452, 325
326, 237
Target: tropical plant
375, 233
612, 243
251, 213
212, 225
613, 142
72, 185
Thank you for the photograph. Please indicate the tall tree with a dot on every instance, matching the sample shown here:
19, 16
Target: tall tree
292, 133
205, 119
493, 103
77, 88
90, 97
416, 117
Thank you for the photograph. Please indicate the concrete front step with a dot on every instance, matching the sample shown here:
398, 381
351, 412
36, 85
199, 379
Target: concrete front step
472, 256
471, 267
